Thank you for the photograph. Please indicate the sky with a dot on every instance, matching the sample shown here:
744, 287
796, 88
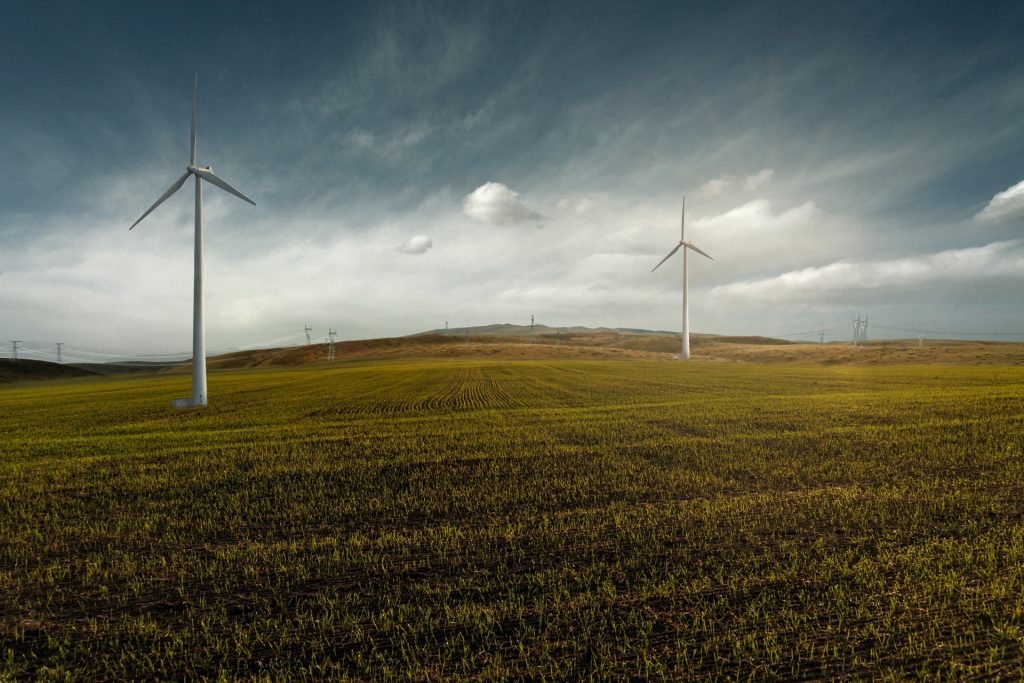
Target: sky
420, 162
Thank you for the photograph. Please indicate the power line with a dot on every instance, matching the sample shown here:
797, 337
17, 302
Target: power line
951, 332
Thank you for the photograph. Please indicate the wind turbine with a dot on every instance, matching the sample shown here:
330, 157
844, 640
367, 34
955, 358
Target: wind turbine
685, 353
198, 326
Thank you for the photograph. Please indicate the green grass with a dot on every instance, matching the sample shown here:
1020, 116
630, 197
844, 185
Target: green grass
489, 519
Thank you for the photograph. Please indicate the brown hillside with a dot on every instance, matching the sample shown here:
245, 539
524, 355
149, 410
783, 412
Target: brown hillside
30, 370
609, 345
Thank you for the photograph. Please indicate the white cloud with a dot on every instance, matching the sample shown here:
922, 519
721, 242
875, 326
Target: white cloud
998, 259
714, 187
495, 203
756, 239
417, 244
1006, 205
756, 181
718, 186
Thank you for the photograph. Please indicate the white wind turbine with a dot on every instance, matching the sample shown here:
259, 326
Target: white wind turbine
685, 353
198, 327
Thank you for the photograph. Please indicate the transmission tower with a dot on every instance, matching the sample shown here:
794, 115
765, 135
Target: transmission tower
531, 328
330, 345
860, 331
821, 337
60, 356
14, 348
445, 325
308, 331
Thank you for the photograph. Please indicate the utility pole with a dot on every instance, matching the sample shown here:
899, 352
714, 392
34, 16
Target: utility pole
14, 348
445, 325
558, 335
330, 346
60, 356
920, 341
467, 336
308, 330
821, 337
531, 328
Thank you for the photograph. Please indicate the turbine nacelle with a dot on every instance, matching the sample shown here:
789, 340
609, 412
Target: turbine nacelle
687, 245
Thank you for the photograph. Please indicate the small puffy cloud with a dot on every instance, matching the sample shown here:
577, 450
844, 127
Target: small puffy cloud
756, 181
495, 203
417, 244
999, 259
714, 187
1006, 205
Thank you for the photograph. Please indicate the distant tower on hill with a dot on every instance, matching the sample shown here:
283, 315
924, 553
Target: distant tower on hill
860, 331
308, 331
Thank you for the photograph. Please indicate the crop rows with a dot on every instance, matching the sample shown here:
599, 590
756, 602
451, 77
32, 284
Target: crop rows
490, 519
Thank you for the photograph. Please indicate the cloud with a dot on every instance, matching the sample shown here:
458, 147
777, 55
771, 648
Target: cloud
417, 244
495, 203
1006, 205
718, 186
578, 207
756, 181
714, 187
957, 266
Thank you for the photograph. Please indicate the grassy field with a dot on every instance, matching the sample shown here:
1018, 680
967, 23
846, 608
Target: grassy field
493, 519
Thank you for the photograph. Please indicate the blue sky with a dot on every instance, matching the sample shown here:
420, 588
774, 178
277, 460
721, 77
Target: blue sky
478, 162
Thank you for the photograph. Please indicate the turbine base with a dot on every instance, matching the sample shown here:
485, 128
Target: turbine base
185, 403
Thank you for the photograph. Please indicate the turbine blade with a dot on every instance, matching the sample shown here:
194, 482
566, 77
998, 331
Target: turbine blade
206, 175
667, 257
691, 245
174, 188
195, 93
682, 223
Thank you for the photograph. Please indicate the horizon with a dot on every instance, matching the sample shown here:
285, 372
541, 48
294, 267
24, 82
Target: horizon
415, 163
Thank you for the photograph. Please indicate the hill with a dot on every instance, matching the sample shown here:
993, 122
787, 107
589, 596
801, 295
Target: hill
509, 342
613, 344
24, 369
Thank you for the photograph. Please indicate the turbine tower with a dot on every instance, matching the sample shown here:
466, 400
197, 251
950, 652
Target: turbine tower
685, 351
198, 321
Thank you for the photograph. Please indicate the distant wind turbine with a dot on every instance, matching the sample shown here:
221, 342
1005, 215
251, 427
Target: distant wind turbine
198, 326
685, 352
